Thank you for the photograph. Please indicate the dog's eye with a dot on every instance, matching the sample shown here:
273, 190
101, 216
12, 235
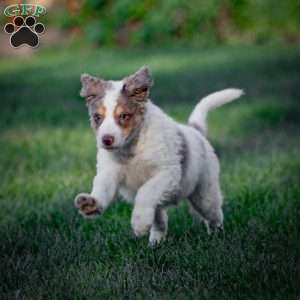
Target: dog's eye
98, 118
125, 117
90, 97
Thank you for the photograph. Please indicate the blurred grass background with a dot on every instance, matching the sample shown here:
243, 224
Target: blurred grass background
48, 154
135, 23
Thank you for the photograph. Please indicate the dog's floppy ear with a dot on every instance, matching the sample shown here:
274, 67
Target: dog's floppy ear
137, 86
91, 87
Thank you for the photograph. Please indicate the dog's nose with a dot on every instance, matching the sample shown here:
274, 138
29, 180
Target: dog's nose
108, 140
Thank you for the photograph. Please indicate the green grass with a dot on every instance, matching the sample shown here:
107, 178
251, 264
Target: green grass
47, 251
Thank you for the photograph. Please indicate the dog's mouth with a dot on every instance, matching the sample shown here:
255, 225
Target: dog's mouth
110, 148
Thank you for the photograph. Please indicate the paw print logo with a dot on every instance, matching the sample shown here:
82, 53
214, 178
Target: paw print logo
24, 32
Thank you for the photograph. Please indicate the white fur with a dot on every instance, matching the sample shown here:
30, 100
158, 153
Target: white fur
154, 176
109, 126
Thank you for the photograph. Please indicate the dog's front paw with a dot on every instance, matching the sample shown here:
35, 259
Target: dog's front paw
141, 221
87, 205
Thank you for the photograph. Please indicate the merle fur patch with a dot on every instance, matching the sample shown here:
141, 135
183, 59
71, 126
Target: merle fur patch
137, 86
93, 88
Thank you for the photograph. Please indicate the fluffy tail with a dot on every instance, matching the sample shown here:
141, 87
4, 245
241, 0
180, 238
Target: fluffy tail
198, 117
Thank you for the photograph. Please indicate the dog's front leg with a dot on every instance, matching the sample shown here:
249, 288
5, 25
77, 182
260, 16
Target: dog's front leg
156, 193
105, 186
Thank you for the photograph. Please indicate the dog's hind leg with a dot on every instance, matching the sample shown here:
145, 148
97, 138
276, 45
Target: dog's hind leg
207, 200
159, 227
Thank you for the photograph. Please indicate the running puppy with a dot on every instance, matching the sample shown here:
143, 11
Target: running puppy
148, 158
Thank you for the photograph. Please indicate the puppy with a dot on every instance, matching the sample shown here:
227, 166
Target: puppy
148, 158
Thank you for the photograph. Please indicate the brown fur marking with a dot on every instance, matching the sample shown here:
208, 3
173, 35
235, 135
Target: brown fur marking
97, 113
133, 112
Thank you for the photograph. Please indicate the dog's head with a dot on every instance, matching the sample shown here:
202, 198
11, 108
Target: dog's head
116, 108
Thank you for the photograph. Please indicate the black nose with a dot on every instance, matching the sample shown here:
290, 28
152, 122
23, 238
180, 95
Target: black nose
108, 140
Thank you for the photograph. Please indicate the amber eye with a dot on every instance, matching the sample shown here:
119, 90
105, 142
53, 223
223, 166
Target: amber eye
90, 97
98, 118
124, 117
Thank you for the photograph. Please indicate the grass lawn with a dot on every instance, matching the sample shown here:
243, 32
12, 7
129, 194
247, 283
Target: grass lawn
47, 156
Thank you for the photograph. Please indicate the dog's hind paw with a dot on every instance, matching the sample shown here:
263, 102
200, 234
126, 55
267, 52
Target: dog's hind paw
87, 205
156, 237
214, 229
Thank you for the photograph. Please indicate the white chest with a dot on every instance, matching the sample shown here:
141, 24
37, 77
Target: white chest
135, 174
